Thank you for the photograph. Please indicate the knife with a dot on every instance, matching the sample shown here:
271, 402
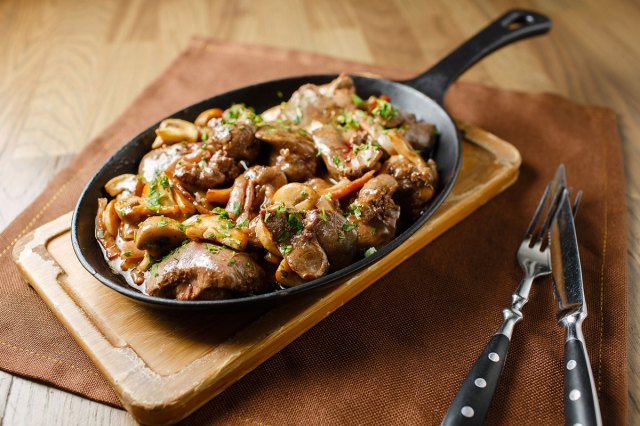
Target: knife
580, 398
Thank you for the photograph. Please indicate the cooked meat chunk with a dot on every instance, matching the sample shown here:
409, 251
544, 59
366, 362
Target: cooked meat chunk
200, 271
208, 171
252, 189
296, 241
234, 134
315, 103
157, 160
417, 183
375, 212
421, 136
337, 236
294, 152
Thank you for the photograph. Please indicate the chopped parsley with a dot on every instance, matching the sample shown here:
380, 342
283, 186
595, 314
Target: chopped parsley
220, 212
204, 137
348, 121
328, 196
358, 148
357, 100
355, 209
337, 161
281, 209
384, 109
127, 254
368, 252
232, 262
323, 215
164, 181
349, 226
304, 193
100, 233
318, 154
236, 208
267, 215
295, 221
286, 249
162, 222
155, 197
212, 248
298, 117
243, 224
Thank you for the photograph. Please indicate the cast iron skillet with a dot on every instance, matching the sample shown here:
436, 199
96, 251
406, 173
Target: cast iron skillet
422, 96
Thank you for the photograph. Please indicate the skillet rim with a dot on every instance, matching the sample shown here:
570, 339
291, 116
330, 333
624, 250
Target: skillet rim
326, 281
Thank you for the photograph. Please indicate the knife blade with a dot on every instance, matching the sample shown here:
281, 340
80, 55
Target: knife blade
580, 397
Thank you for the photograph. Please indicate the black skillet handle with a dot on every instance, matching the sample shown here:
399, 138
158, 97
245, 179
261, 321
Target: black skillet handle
514, 25
472, 402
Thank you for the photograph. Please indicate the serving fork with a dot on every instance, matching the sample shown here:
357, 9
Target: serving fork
470, 405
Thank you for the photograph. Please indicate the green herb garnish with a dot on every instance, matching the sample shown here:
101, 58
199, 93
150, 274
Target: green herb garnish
323, 215
355, 209
236, 208
368, 252
220, 212
349, 226
212, 248
384, 109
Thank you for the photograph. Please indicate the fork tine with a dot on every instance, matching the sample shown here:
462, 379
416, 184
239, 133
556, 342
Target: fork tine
557, 198
536, 215
576, 203
556, 186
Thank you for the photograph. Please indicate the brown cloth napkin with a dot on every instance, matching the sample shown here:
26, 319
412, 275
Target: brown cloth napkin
399, 351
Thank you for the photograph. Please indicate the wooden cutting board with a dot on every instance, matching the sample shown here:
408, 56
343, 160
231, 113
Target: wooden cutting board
164, 364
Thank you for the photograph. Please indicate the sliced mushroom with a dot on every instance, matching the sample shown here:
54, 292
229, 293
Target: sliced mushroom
173, 130
217, 228
110, 218
126, 183
297, 196
286, 276
159, 235
208, 114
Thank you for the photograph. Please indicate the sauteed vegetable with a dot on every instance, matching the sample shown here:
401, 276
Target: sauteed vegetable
238, 203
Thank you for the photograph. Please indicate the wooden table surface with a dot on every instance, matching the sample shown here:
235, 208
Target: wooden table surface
69, 68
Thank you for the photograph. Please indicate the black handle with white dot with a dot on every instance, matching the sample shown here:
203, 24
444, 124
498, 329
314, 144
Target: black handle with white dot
472, 402
580, 400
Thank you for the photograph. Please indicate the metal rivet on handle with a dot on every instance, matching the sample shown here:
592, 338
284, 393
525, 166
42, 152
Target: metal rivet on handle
494, 357
571, 364
467, 411
480, 382
574, 395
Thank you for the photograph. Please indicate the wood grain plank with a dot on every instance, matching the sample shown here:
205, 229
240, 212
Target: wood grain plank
5, 386
31, 403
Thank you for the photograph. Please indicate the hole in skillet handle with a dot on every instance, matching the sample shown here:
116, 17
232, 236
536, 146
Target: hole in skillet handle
518, 21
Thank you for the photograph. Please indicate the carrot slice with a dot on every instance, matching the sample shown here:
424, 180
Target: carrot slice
341, 190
